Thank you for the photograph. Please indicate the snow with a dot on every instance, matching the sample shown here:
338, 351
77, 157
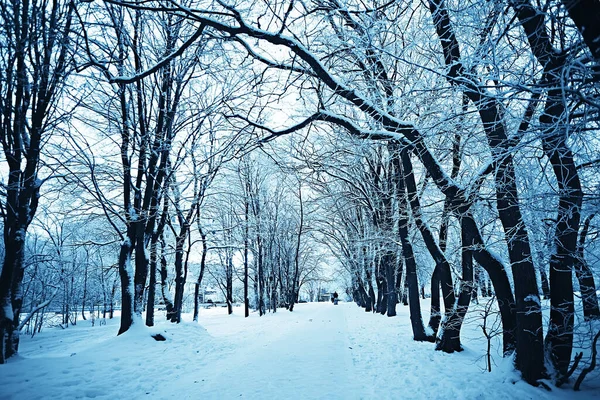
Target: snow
320, 351
7, 309
534, 298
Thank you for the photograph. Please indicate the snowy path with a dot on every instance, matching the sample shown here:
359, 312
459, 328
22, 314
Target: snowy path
308, 356
319, 351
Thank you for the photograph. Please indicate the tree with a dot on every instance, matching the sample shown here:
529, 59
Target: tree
35, 62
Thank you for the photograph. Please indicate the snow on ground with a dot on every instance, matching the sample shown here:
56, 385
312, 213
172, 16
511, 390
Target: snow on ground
320, 351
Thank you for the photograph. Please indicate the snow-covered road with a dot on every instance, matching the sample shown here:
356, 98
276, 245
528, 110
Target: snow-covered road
320, 351
307, 355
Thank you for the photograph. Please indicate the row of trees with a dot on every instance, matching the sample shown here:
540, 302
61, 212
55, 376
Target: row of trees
472, 148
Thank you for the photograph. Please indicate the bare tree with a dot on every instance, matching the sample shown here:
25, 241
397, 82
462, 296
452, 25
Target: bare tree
35, 61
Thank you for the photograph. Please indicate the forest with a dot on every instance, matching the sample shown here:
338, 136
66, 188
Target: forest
273, 151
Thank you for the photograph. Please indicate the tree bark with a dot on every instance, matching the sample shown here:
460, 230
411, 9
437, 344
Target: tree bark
529, 351
246, 237
36, 64
449, 340
559, 340
586, 15
390, 279
416, 318
442, 271
127, 292
152, 284
163, 281
296, 275
585, 276
198, 283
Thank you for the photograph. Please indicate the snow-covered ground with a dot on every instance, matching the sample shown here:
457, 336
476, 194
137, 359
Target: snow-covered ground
320, 351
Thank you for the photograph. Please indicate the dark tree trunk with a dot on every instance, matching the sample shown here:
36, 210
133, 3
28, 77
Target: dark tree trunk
261, 278
152, 284
111, 313
83, 300
141, 269
530, 352
442, 270
201, 273
371, 296
449, 341
416, 318
229, 285
12, 272
35, 40
435, 313
380, 305
296, 276
480, 278
274, 299
476, 279
362, 295
179, 281
499, 279
246, 237
164, 288
586, 15
585, 276
490, 290
559, 340
399, 274
368, 286
125, 272
390, 271
154, 238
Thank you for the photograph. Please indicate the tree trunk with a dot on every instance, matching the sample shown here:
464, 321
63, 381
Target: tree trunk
152, 284
476, 279
435, 313
141, 268
296, 275
587, 19
442, 273
559, 340
416, 318
449, 340
246, 237
84, 290
163, 282
530, 353
371, 293
36, 64
399, 274
405, 291
201, 273
10, 307
380, 284
127, 290
390, 272
585, 277
179, 279
261, 278
229, 285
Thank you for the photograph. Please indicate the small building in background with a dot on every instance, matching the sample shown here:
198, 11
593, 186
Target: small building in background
210, 295
324, 295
